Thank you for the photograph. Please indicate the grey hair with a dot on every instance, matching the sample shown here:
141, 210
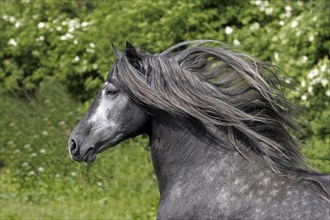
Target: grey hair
227, 90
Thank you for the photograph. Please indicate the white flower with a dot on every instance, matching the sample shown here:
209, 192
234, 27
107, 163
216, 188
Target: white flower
31, 173
5, 17
76, 59
57, 175
41, 25
26, 146
281, 23
95, 66
40, 38
75, 41
25, 164
45, 133
33, 154
66, 36
12, 19
43, 151
294, 24
254, 26
236, 42
64, 23
63, 122
269, 11
12, 42
323, 68
288, 14
276, 56
312, 74
99, 184
304, 97
327, 93
228, 30
71, 30
72, 23
84, 24
310, 89
59, 28
90, 50
257, 2
69, 36
324, 82
34, 17
304, 59
17, 24
73, 174
92, 45
311, 38
288, 8
41, 169
303, 83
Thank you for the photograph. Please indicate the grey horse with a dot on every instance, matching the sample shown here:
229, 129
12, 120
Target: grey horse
220, 133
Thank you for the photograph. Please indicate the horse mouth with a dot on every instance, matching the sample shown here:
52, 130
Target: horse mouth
90, 155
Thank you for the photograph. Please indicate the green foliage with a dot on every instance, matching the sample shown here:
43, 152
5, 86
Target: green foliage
47, 38
46, 45
38, 175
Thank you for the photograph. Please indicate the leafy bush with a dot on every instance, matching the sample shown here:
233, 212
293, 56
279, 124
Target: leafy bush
70, 40
42, 39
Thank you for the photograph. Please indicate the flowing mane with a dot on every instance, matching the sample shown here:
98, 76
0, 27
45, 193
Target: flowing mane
225, 90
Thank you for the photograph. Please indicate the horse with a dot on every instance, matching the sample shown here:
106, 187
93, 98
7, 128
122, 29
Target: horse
222, 134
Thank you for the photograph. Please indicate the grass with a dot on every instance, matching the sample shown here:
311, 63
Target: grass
127, 190
40, 181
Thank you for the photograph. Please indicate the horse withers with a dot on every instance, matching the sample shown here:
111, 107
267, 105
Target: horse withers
219, 129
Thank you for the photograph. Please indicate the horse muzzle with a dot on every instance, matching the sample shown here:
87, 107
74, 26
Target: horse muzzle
80, 154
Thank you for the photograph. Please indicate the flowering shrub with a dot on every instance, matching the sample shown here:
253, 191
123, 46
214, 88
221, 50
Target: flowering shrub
42, 40
71, 39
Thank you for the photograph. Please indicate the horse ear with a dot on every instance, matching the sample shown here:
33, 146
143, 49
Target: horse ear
115, 50
131, 54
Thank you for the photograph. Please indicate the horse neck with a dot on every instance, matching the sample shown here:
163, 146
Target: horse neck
183, 150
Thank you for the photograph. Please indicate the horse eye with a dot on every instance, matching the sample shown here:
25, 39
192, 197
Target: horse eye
111, 92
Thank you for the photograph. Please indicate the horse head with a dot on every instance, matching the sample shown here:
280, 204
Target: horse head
111, 118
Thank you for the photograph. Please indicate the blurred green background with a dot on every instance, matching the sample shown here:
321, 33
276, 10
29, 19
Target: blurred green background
55, 56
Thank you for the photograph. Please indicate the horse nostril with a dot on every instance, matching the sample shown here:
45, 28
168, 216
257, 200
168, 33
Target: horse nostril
73, 148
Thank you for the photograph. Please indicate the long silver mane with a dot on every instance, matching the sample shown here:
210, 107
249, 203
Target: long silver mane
227, 90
